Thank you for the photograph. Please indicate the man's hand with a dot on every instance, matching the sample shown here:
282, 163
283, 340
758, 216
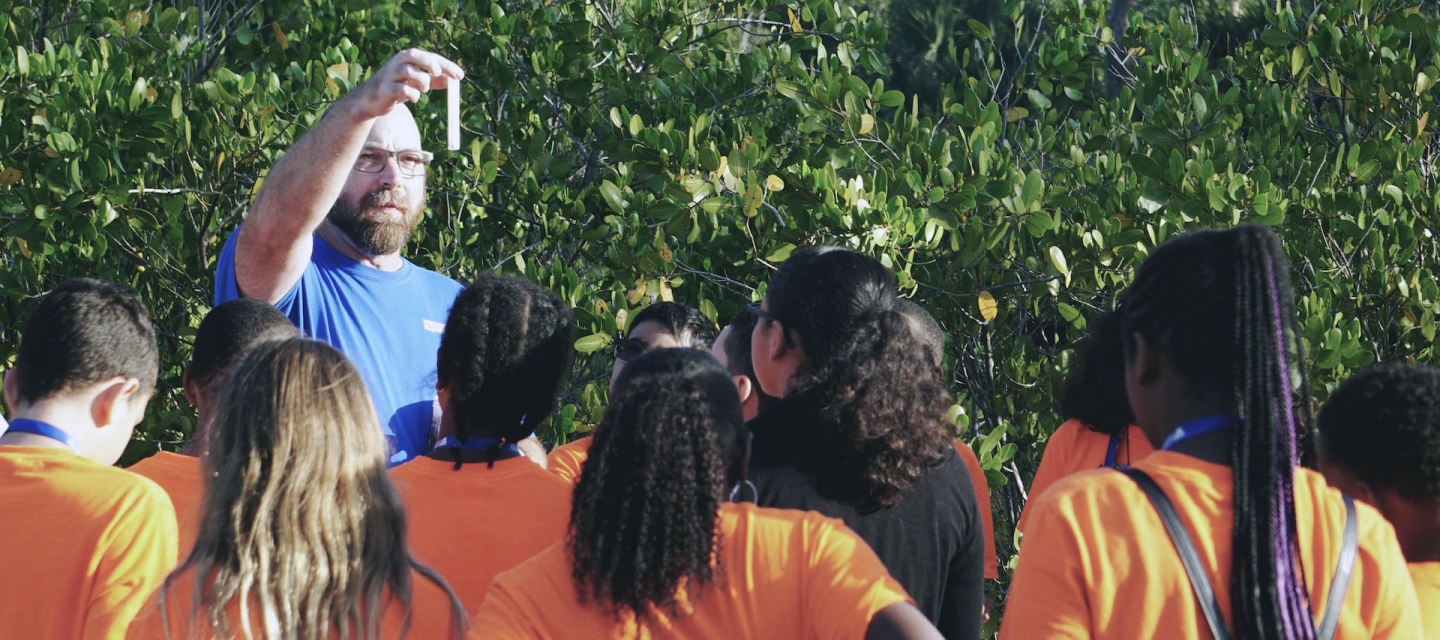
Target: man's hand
403, 79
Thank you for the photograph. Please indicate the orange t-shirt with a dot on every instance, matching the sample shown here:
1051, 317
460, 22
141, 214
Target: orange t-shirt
1426, 576
473, 523
787, 574
982, 496
567, 460
431, 615
81, 547
1074, 448
1099, 564
179, 476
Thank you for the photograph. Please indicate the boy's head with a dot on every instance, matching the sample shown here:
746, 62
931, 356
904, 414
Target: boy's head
663, 325
732, 349
1380, 442
87, 363
226, 335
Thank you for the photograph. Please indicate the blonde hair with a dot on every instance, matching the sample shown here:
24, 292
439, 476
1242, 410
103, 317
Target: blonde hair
300, 526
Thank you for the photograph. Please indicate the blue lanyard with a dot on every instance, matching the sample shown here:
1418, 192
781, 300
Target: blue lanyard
1114, 449
476, 443
26, 425
1196, 428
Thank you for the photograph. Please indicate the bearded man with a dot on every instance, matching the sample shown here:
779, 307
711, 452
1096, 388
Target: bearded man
323, 239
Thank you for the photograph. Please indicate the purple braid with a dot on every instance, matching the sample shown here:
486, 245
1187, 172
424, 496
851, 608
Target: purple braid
1293, 594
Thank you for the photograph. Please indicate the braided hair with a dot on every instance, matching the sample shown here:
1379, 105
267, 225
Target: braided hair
644, 519
1094, 391
874, 407
507, 346
1218, 304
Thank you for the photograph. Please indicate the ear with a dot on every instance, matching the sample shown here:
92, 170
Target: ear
192, 389
744, 387
12, 391
112, 405
775, 340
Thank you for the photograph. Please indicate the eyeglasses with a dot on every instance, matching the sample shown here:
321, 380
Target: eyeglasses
627, 349
754, 308
412, 164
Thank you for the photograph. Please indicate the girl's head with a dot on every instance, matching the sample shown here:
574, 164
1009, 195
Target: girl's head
1094, 391
299, 524
669, 448
831, 341
1209, 326
506, 348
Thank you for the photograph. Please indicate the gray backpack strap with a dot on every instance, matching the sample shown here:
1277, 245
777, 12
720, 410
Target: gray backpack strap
1199, 582
1344, 567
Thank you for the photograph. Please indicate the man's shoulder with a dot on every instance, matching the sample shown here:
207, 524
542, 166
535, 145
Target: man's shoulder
437, 281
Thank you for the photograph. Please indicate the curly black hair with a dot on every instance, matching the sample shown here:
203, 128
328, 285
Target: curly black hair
644, 518
506, 348
879, 410
1383, 424
1094, 391
682, 321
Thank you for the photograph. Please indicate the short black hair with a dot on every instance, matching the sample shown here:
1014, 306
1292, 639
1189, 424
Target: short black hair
1094, 388
1383, 424
507, 347
926, 328
682, 321
83, 332
737, 355
229, 332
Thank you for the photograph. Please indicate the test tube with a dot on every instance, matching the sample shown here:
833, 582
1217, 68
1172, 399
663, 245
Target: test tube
452, 95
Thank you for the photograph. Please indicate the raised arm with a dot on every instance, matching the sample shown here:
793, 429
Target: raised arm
274, 244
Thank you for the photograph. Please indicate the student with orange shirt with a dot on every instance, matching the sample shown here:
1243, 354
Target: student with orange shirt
506, 348
1211, 348
1098, 429
82, 544
301, 534
655, 551
1380, 442
932, 339
663, 325
225, 336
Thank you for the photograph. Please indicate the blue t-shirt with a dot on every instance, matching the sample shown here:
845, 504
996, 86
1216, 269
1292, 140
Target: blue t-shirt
387, 322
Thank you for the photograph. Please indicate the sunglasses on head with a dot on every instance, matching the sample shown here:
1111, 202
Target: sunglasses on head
627, 349
762, 314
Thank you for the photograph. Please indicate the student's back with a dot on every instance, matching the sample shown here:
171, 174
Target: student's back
223, 339
1380, 441
1105, 567
300, 527
475, 506
1214, 376
428, 616
475, 522
655, 551
788, 574
1098, 430
82, 544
